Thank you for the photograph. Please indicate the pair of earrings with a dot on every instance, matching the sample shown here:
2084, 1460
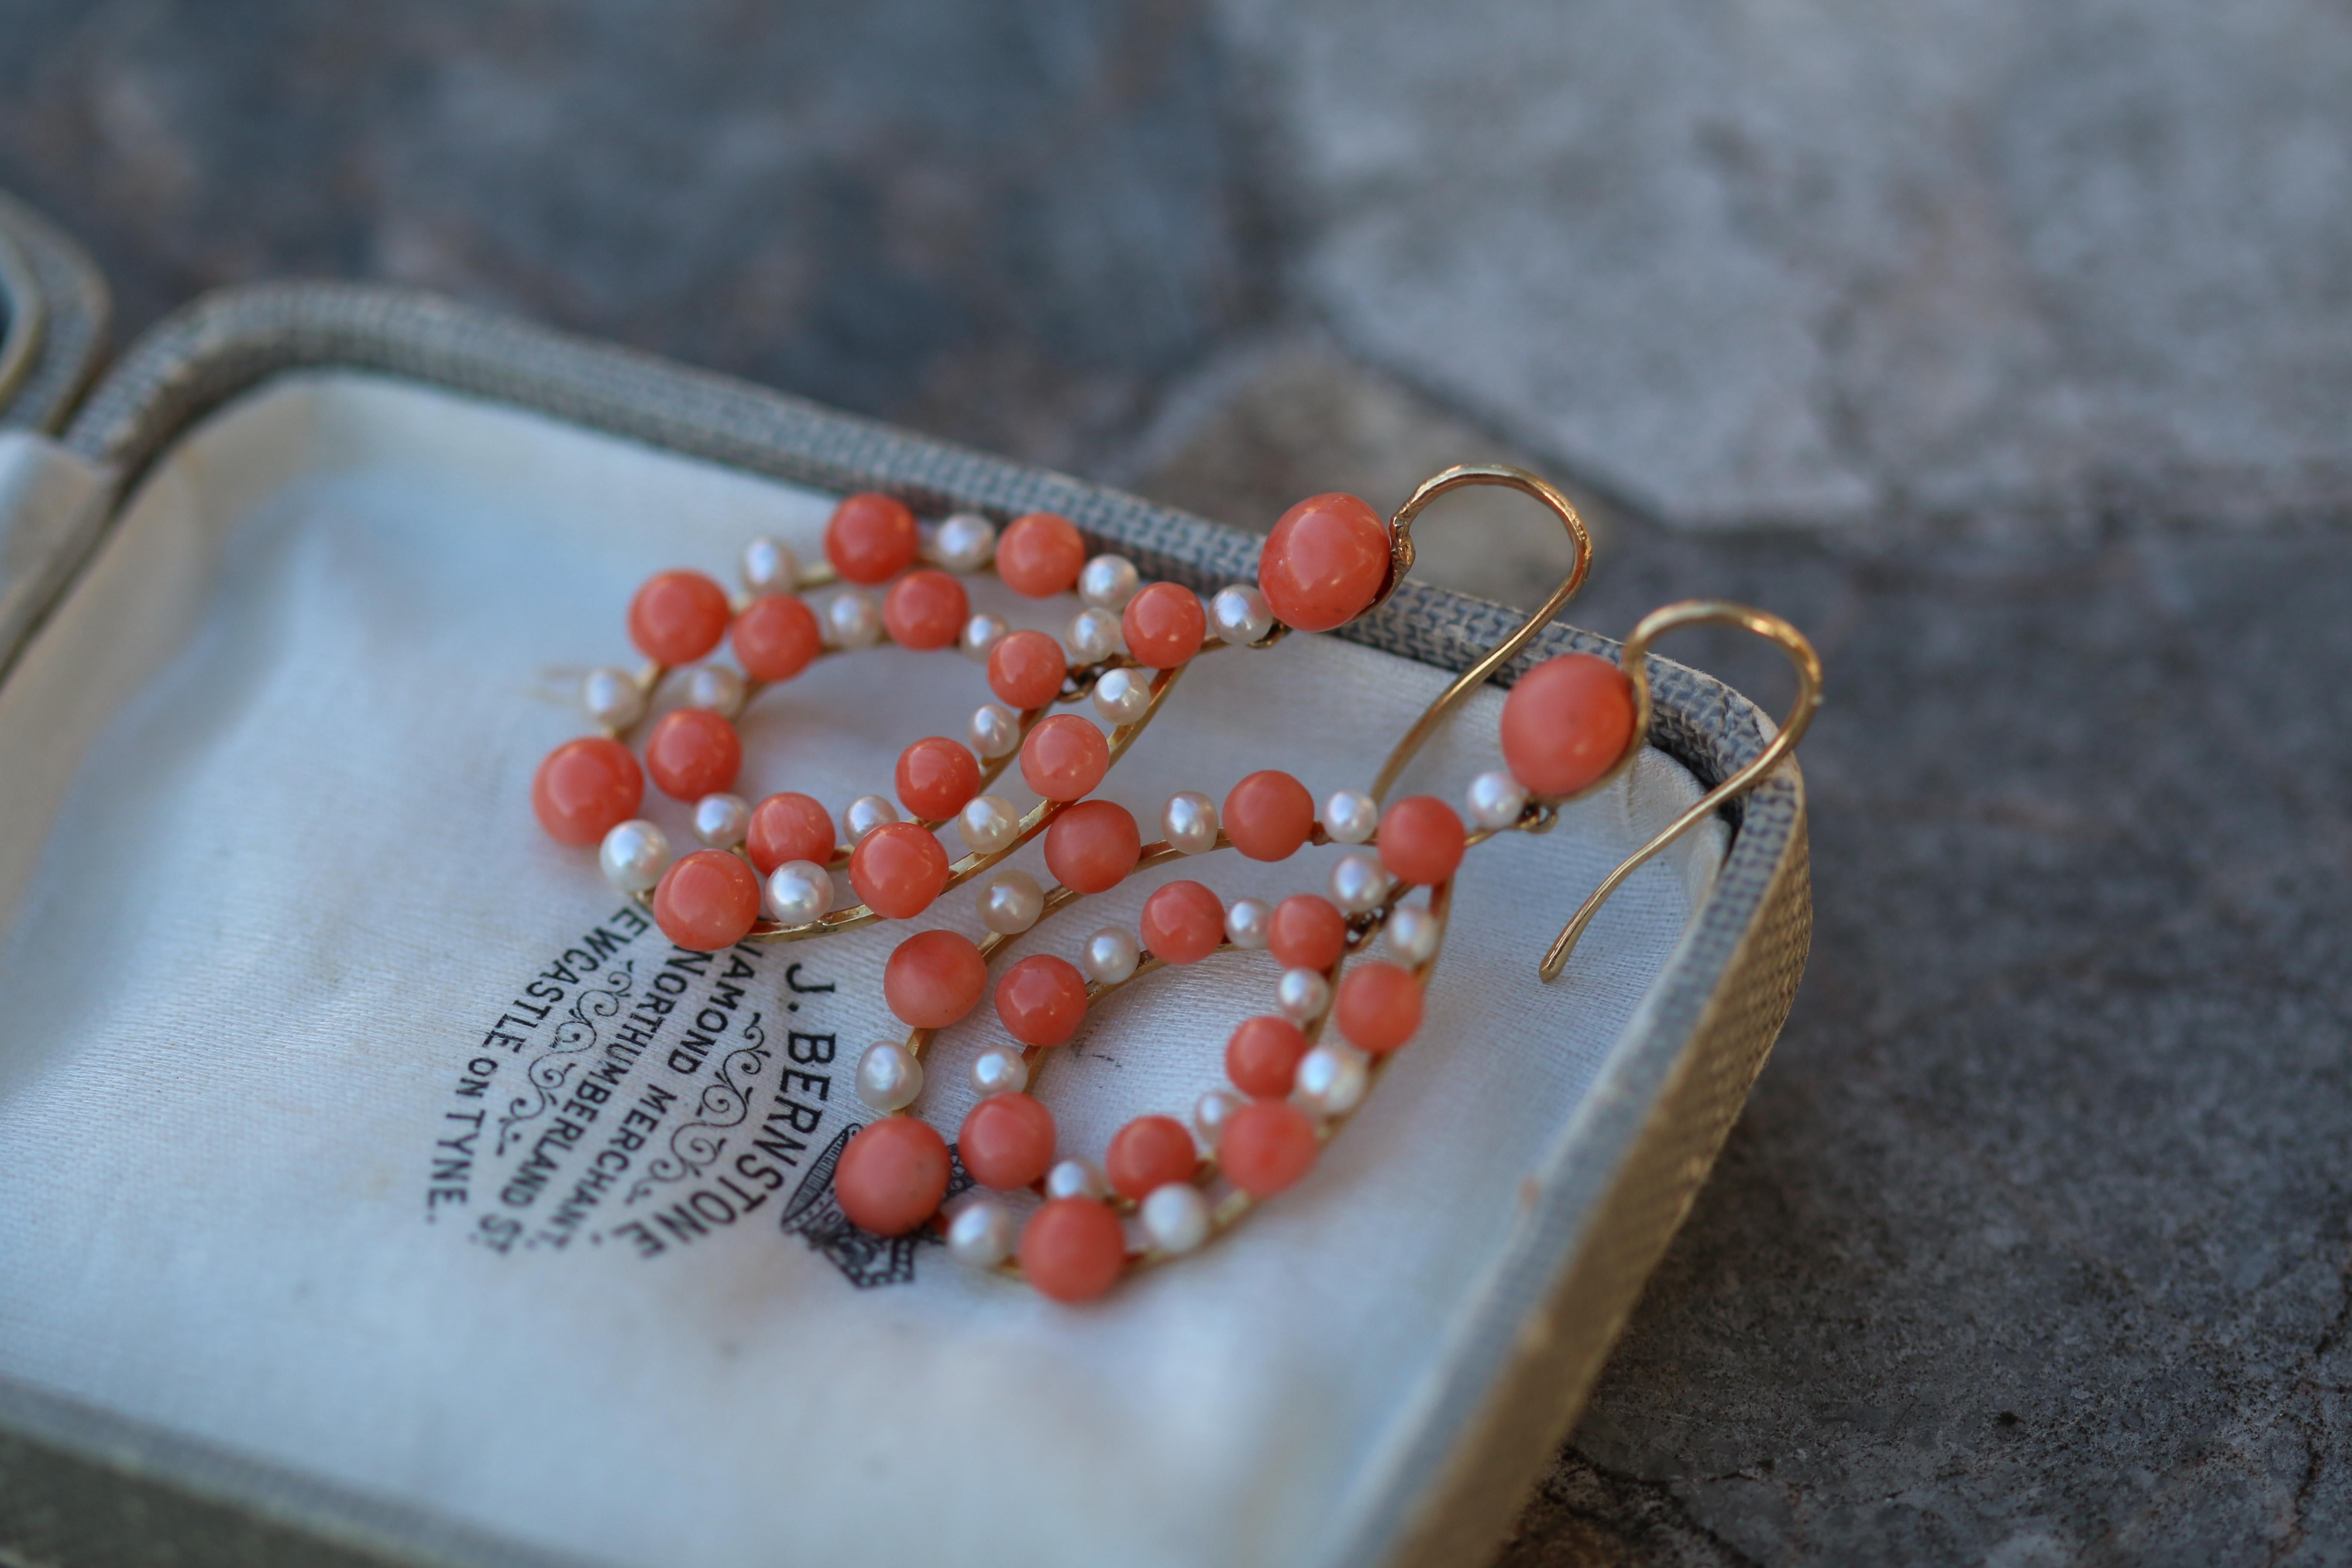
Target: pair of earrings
1570, 727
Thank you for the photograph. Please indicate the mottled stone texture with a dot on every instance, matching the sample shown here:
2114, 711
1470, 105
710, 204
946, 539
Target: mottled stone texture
2032, 1245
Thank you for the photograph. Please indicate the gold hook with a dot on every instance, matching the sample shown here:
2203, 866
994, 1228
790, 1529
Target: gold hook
1400, 554
1635, 660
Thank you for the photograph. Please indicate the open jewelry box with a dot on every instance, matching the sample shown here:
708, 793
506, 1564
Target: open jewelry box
292, 603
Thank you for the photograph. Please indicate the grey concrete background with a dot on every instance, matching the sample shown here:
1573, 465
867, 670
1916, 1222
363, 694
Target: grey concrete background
2005, 345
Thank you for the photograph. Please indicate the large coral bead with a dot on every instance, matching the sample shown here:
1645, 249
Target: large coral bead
587, 788
1567, 722
1324, 562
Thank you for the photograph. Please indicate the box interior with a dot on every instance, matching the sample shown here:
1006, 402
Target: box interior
282, 949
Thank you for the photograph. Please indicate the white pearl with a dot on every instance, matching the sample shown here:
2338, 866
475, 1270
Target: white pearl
995, 731
1302, 994
1010, 902
717, 687
1190, 822
851, 620
1331, 1080
865, 814
1093, 636
1176, 1217
1122, 694
979, 636
1358, 884
1351, 817
987, 824
1111, 956
1412, 934
1495, 800
980, 1233
964, 543
888, 1076
1248, 921
634, 855
769, 566
721, 820
799, 892
1211, 1113
1108, 582
612, 698
1074, 1179
1000, 1069
1240, 615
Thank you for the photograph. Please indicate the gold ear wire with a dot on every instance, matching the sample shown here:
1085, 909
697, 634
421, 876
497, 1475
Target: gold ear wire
1401, 556
1635, 658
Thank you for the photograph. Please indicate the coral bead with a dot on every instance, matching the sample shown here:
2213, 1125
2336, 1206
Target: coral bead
1041, 554
587, 788
1184, 922
1064, 757
925, 610
693, 752
776, 637
934, 978
898, 869
871, 538
937, 777
1268, 816
1164, 625
1025, 669
1324, 562
892, 1175
678, 616
706, 900
1148, 1154
1093, 846
1379, 1006
1042, 1000
1267, 1146
788, 828
1566, 724
1262, 1057
1007, 1141
1421, 840
1073, 1249
1306, 933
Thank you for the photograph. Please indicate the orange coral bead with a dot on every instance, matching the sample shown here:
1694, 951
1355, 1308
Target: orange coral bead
1421, 840
693, 752
1566, 724
892, 1175
1025, 669
925, 609
1262, 1057
1306, 933
678, 616
706, 900
1007, 1141
934, 978
587, 788
1182, 922
1324, 562
788, 828
776, 637
1378, 1007
1164, 625
1093, 846
1063, 757
898, 869
936, 777
1073, 1249
1148, 1154
1267, 1146
1040, 554
871, 538
1042, 1000
1268, 816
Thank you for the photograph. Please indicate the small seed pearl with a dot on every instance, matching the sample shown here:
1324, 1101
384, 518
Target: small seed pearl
799, 892
634, 855
1190, 822
1358, 884
965, 542
1331, 1080
999, 1070
865, 814
888, 1076
1495, 800
979, 636
769, 566
1111, 956
1240, 615
1010, 902
987, 824
1351, 817
721, 820
1121, 696
1093, 634
717, 687
1211, 1112
851, 620
1411, 935
980, 1234
1074, 1179
612, 698
1247, 921
1108, 582
1302, 994
1176, 1217
995, 731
